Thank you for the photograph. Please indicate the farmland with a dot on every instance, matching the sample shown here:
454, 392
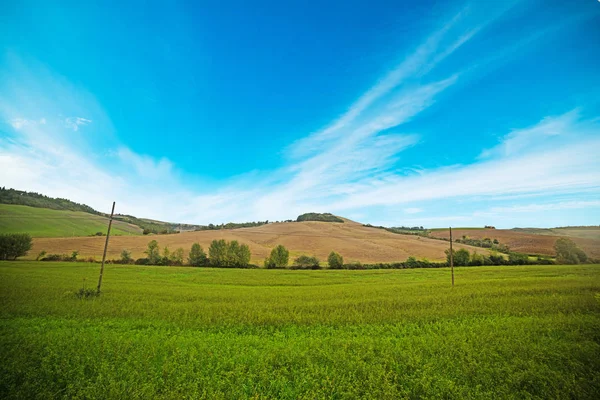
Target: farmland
353, 240
44, 222
533, 241
177, 332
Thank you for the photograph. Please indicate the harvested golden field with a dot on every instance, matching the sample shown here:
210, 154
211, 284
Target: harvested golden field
523, 241
352, 240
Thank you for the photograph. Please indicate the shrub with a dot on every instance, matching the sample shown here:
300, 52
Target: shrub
279, 258
197, 256
99, 234
74, 255
13, 245
306, 262
142, 261
335, 260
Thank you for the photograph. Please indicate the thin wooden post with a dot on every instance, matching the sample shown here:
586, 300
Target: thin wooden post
105, 247
451, 257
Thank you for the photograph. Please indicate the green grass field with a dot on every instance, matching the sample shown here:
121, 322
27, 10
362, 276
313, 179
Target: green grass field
43, 222
177, 332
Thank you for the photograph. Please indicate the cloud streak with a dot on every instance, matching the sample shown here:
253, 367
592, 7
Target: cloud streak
348, 167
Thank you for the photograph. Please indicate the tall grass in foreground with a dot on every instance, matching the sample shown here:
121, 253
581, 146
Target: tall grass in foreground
176, 332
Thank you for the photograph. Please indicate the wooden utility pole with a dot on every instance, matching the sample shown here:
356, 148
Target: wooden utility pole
106, 247
451, 257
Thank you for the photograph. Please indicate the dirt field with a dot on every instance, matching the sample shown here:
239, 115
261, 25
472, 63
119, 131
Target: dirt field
521, 240
352, 240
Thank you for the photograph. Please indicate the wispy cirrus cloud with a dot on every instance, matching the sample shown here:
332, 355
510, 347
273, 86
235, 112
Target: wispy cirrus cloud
75, 122
348, 167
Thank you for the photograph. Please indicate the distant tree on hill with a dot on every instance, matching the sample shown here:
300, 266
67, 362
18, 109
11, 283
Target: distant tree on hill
197, 256
567, 252
323, 217
279, 257
335, 260
13, 245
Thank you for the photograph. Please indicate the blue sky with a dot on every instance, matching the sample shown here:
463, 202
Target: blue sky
395, 113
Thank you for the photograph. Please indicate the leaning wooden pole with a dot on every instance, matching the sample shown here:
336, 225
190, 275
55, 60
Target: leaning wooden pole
451, 257
106, 247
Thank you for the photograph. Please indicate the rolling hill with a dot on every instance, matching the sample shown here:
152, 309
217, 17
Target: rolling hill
352, 240
44, 222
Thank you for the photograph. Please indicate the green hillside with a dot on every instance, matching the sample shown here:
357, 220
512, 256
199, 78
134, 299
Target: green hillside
43, 222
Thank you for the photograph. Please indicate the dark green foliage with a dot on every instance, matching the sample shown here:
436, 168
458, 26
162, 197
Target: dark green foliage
306, 262
335, 260
567, 252
323, 217
518, 259
197, 257
279, 257
13, 245
461, 257
32, 199
217, 253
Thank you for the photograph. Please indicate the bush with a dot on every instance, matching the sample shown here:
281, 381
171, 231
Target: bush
335, 260
13, 245
40, 255
306, 262
142, 261
567, 252
279, 258
197, 256
176, 257
99, 234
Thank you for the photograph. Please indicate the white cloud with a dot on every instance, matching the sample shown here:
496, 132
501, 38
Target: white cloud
75, 122
345, 168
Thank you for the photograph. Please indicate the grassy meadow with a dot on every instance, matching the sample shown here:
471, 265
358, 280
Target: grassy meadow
44, 222
181, 332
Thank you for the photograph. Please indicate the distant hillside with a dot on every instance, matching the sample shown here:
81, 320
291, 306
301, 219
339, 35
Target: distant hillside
322, 217
44, 222
32, 199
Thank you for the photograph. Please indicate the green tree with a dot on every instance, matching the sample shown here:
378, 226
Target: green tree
233, 254
197, 256
335, 260
461, 257
567, 252
244, 256
153, 253
13, 245
217, 253
279, 257
176, 257
518, 259
126, 256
